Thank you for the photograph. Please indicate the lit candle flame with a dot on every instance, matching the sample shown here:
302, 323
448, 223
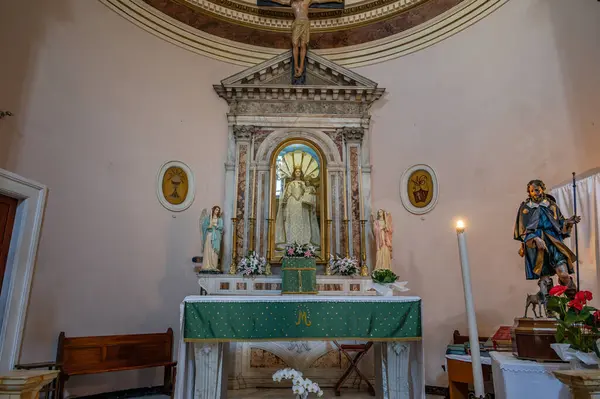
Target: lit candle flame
460, 225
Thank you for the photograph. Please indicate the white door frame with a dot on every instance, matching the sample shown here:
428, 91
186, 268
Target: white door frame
21, 261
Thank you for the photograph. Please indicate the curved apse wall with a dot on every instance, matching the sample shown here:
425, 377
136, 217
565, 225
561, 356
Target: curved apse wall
363, 33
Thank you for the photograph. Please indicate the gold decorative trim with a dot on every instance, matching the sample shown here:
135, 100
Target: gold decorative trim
215, 340
433, 31
280, 20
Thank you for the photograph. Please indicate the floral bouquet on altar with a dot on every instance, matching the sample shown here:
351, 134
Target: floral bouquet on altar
344, 266
578, 326
296, 250
301, 386
383, 276
252, 265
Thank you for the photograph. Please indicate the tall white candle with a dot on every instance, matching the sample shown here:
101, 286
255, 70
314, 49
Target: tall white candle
471, 319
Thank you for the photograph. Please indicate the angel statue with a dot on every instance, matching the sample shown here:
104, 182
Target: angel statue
212, 233
383, 229
296, 220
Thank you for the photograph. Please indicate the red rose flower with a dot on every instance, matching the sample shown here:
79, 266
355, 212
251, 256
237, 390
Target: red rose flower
558, 290
583, 296
575, 304
597, 316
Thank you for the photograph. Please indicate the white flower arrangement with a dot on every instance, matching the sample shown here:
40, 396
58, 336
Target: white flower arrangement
296, 250
344, 266
301, 386
252, 265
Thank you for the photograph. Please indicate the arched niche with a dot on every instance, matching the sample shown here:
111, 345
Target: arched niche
326, 209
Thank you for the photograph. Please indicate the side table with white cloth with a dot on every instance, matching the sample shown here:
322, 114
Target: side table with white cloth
525, 379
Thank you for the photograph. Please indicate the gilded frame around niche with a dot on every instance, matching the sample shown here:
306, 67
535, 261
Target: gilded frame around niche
419, 189
175, 186
323, 195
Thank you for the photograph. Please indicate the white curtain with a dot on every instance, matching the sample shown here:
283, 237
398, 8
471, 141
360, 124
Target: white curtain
588, 207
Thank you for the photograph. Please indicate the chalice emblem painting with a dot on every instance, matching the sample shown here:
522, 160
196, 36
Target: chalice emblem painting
175, 186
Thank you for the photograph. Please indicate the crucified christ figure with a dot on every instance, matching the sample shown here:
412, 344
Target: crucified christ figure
301, 29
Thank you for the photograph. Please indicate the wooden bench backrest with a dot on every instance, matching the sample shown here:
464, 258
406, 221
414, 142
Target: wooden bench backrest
90, 355
461, 339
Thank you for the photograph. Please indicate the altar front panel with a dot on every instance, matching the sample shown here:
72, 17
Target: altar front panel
400, 360
298, 318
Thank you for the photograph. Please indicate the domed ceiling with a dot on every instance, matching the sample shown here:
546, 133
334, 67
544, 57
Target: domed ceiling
362, 32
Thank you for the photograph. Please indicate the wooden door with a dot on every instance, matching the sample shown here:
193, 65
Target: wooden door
8, 209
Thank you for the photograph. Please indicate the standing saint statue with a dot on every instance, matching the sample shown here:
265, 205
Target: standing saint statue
541, 229
212, 234
383, 229
296, 215
301, 28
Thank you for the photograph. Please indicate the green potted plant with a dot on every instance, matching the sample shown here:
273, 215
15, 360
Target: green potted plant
385, 282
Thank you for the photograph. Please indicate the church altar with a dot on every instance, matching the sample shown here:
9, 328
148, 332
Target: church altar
298, 172
210, 323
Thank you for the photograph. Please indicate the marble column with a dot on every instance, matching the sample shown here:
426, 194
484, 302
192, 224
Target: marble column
392, 373
211, 371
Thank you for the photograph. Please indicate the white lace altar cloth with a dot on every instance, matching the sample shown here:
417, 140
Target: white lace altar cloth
516, 379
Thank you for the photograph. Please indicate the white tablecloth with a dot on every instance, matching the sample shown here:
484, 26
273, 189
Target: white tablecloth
524, 379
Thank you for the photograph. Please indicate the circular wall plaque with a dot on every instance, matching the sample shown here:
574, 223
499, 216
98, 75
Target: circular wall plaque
175, 186
419, 189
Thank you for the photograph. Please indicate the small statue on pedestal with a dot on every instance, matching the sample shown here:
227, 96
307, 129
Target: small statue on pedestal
383, 229
212, 234
541, 229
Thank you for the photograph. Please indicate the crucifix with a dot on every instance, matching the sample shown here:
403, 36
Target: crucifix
301, 25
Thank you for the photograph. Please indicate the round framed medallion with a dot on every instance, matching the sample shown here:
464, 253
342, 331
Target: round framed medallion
175, 186
419, 189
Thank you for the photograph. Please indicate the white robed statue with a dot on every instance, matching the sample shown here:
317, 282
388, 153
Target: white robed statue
296, 220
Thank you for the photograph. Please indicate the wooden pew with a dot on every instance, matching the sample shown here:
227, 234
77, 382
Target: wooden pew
103, 354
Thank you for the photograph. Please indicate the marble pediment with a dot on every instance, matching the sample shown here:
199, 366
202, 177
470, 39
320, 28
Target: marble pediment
325, 81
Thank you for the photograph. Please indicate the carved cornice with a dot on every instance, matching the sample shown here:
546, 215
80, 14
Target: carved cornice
247, 92
243, 132
290, 108
352, 133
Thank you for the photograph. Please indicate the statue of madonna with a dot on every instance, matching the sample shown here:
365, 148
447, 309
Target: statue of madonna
296, 220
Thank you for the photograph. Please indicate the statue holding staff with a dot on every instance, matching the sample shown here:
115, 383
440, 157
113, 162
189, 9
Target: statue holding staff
541, 228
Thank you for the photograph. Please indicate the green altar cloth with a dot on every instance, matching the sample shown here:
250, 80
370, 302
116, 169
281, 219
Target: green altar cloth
299, 276
302, 318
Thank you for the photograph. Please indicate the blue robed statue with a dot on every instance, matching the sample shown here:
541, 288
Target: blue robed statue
541, 228
212, 234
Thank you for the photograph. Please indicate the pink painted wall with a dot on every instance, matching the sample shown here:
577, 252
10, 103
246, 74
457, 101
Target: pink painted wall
101, 104
513, 98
